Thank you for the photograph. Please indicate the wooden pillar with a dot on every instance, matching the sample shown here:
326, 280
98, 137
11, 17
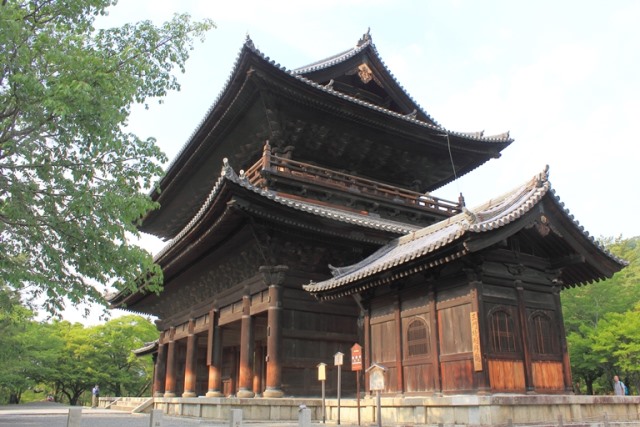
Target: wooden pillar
398, 344
257, 369
190, 369
367, 346
160, 368
435, 340
246, 350
481, 377
170, 381
566, 364
274, 278
214, 355
524, 334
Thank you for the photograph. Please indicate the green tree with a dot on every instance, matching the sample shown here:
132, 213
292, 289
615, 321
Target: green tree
119, 371
75, 362
13, 317
589, 311
618, 341
588, 304
587, 366
29, 351
72, 179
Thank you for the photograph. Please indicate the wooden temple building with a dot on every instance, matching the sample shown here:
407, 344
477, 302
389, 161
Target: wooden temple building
299, 220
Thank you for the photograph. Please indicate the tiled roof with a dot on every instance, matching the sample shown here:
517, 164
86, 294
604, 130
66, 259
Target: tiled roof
229, 175
298, 74
148, 348
437, 239
366, 42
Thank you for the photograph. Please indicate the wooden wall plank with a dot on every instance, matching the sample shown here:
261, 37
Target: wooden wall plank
506, 375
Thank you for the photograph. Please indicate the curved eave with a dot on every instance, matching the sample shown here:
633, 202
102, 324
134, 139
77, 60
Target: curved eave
365, 51
471, 231
488, 147
218, 211
218, 110
148, 348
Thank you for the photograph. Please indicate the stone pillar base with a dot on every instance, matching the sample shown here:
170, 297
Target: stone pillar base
273, 393
189, 394
214, 394
158, 394
245, 393
169, 394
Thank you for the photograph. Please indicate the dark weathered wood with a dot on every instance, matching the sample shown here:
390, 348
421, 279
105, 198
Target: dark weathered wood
214, 354
525, 338
274, 342
245, 378
190, 369
170, 379
398, 344
564, 348
160, 369
435, 338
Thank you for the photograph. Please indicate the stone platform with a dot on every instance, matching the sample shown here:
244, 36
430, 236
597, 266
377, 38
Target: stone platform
458, 410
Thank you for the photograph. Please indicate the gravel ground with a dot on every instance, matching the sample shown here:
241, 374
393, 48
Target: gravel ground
51, 414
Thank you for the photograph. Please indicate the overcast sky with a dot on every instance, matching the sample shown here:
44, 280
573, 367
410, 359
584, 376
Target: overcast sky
560, 76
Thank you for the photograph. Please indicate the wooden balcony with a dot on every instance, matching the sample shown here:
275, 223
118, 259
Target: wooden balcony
270, 166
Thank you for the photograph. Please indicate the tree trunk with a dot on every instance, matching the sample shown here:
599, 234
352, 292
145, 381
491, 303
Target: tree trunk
589, 384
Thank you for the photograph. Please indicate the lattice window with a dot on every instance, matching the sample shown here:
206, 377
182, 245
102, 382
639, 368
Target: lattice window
542, 330
418, 338
502, 332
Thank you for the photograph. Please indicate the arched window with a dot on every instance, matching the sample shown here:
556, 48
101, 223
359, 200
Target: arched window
418, 339
501, 331
543, 334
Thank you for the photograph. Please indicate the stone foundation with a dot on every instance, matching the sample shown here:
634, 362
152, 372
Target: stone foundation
458, 410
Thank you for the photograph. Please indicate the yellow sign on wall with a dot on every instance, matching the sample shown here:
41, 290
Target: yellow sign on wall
475, 339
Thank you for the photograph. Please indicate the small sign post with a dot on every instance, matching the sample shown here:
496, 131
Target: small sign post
322, 376
376, 383
338, 360
356, 365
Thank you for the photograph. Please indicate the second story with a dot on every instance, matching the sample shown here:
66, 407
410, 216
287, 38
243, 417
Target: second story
341, 132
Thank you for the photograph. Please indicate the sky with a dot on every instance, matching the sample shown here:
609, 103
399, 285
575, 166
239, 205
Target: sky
561, 76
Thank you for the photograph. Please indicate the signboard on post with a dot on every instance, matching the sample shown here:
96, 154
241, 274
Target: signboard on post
376, 383
322, 371
356, 357
356, 365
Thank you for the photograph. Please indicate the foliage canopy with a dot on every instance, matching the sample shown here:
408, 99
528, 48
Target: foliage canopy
72, 179
602, 321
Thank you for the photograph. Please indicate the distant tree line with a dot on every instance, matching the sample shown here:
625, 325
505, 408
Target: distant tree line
62, 361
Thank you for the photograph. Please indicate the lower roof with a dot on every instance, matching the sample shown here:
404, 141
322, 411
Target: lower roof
470, 232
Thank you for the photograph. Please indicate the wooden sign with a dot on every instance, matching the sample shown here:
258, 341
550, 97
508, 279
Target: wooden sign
356, 357
376, 377
322, 372
475, 340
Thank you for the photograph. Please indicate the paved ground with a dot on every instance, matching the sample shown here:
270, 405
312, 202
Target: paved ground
51, 414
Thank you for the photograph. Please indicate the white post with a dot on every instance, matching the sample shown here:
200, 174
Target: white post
378, 409
156, 418
235, 418
338, 360
75, 414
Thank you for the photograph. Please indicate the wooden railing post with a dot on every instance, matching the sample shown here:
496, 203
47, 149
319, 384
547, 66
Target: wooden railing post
266, 156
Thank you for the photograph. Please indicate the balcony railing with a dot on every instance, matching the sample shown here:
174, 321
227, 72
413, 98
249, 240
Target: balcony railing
270, 164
